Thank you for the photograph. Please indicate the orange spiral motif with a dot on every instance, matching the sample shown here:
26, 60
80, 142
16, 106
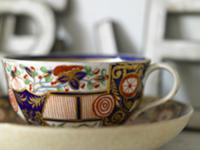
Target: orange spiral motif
103, 106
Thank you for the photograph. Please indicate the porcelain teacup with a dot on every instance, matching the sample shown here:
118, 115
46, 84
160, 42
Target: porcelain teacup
80, 90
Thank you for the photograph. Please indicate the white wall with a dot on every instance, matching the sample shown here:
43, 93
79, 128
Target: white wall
82, 15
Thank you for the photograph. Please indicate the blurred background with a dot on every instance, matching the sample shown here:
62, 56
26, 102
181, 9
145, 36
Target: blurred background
165, 31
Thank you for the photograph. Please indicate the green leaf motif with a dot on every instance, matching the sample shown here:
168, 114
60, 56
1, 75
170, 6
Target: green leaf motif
34, 74
87, 68
18, 72
21, 66
48, 78
102, 82
44, 69
88, 71
8, 68
27, 81
89, 85
60, 89
103, 72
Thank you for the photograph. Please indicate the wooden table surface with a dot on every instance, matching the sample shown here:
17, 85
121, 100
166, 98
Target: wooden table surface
186, 140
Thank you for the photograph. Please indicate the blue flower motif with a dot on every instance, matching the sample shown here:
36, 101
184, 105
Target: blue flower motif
73, 78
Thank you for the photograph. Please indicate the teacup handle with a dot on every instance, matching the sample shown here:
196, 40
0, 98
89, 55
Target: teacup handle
173, 91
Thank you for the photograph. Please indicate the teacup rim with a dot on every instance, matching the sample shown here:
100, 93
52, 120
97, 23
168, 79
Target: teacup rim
79, 58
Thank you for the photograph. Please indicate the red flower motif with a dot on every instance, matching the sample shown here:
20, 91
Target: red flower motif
70, 74
30, 87
63, 68
32, 68
16, 81
82, 85
128, 85
96, 71
40, 77
25, 76
15, 69
96, 85
54, 82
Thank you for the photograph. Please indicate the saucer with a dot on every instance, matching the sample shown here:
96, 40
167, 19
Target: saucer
149, 131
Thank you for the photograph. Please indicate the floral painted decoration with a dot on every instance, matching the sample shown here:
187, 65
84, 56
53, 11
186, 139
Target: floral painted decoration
58, 94
70, 74
62, 78
129, 85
